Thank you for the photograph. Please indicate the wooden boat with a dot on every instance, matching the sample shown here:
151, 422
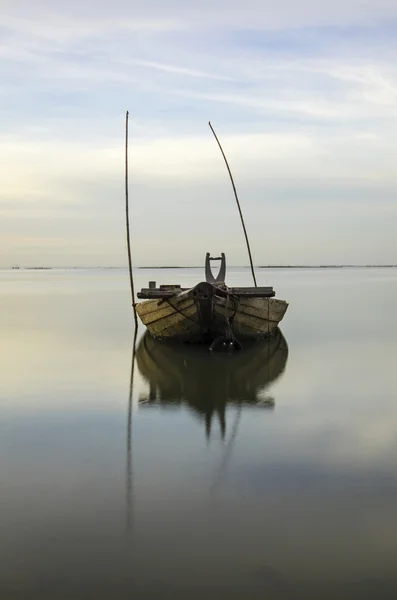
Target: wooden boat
207, 382
210, 312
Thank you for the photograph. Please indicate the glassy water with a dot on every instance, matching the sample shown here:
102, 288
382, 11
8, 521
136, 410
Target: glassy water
269, 473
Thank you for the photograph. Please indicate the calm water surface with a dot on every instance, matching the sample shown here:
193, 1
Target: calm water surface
270, 473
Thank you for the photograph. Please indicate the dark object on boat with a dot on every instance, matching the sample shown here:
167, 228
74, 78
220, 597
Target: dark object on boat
210, 310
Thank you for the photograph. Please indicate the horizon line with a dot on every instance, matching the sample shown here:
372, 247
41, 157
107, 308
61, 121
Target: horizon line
299, 266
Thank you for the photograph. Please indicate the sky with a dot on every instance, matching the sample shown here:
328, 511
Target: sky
302, 94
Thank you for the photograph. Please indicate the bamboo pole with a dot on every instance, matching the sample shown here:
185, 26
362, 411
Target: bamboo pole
127, 220
238, 203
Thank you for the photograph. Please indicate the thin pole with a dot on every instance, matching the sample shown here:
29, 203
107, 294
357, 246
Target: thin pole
238, 203
127, 220
229, 448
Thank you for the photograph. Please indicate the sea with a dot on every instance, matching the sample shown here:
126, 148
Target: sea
131, 469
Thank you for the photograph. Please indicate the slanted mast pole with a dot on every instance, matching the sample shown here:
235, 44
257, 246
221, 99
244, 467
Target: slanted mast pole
238, 203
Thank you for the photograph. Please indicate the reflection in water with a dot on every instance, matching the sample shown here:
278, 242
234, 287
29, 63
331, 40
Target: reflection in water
208, 381
129, 438
308, 504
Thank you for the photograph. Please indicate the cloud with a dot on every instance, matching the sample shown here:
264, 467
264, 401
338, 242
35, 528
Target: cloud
254, 14
302, 96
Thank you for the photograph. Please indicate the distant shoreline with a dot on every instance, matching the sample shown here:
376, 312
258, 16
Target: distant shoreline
290, 267
18, 268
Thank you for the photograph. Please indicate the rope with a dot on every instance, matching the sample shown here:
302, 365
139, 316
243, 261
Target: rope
228, 330
179, 311
229, 335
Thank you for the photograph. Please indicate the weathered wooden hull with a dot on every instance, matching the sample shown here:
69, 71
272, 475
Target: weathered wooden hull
207, 312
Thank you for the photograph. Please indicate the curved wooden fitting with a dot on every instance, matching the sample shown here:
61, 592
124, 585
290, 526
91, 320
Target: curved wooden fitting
209, 277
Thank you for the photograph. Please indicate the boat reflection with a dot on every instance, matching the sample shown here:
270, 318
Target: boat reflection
208, 381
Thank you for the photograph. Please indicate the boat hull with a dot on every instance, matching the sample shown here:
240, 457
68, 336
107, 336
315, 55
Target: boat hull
207, 312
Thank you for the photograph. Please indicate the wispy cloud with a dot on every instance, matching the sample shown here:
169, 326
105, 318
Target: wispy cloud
177, 70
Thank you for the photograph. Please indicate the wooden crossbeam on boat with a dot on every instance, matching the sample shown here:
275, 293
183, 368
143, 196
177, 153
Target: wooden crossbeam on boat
161, 292
167, 291
252, 292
